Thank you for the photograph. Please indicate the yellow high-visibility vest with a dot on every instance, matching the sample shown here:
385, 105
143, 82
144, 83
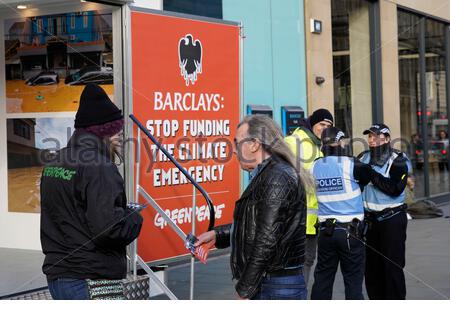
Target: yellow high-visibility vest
306, 152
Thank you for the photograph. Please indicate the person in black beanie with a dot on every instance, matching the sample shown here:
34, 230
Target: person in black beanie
85, 224
305, 144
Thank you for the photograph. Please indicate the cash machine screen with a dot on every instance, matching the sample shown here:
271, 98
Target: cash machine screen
290, 119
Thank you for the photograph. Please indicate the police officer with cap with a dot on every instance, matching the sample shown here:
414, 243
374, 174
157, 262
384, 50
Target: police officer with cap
340, 180
385, 214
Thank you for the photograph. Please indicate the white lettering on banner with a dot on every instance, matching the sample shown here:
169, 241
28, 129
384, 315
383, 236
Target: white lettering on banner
158, 156
173, 176
193, 151
184, 215
197, 151
176, 101
193, 128
166, 128
206, 128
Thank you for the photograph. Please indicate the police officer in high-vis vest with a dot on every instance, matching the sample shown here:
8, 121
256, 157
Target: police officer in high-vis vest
385, 215
339, 181
305, 145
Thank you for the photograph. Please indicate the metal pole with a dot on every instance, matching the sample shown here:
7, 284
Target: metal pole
241, 89
447, 83
375, 65
158, 282
163, 214
194, 217
138, 167
423, 104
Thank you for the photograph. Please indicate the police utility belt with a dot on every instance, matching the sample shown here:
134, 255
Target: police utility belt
353, 228
385, 214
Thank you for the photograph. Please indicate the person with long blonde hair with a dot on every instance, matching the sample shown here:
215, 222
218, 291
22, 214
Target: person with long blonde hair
267, 236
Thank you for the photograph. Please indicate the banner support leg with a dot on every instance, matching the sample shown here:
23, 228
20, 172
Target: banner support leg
194, 218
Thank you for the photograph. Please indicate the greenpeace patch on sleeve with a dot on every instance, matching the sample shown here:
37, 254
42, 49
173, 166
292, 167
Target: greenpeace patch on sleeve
59, 173
330, 184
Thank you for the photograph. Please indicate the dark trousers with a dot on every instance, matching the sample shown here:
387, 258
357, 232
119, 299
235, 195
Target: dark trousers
282, 288
68, 289
385, 258
332, 250
310, 255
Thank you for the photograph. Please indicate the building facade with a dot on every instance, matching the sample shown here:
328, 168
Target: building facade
387, 61
366, 61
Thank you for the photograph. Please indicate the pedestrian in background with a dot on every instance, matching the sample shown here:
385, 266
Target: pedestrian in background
267, 236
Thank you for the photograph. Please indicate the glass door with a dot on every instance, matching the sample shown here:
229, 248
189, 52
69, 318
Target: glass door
423, 62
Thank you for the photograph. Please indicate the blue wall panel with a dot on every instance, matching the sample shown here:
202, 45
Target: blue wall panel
274, 51
258, 78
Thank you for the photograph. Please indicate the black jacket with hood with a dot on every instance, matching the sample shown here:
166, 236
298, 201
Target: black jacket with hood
85, 226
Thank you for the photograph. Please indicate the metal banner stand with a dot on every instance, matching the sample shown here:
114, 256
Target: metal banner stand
189, 239
194, 217
136, 199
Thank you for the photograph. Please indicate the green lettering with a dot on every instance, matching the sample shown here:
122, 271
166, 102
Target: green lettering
59, 173
50, 172
71, 173
64, 174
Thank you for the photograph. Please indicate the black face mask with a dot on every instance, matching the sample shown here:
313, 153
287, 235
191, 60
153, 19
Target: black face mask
379, 155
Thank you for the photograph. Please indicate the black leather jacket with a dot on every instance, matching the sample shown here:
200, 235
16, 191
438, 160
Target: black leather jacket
268, 233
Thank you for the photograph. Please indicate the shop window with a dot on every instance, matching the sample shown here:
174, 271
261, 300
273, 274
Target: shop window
22, 129
72, 21
85, 19
63, 25
409, 84
437, 120
39, 26
426, 145
50, 26
352, 67
45, 84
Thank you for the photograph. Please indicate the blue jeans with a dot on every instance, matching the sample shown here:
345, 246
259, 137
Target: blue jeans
68, 289
282, 288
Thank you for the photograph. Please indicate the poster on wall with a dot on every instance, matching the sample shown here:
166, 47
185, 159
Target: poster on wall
31, 143
49, 60
186, 92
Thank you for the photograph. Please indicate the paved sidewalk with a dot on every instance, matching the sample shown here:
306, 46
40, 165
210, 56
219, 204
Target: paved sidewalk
427, 269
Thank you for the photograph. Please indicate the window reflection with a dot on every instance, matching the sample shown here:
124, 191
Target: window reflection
351, 67
437, 121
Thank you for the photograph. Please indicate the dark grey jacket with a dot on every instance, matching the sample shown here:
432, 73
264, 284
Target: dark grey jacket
85, 226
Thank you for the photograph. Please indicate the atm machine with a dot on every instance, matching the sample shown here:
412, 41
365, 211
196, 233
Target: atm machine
290, 118
260, 109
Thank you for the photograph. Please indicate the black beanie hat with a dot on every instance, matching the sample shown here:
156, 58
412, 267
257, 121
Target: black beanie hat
95, 108
321, 115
